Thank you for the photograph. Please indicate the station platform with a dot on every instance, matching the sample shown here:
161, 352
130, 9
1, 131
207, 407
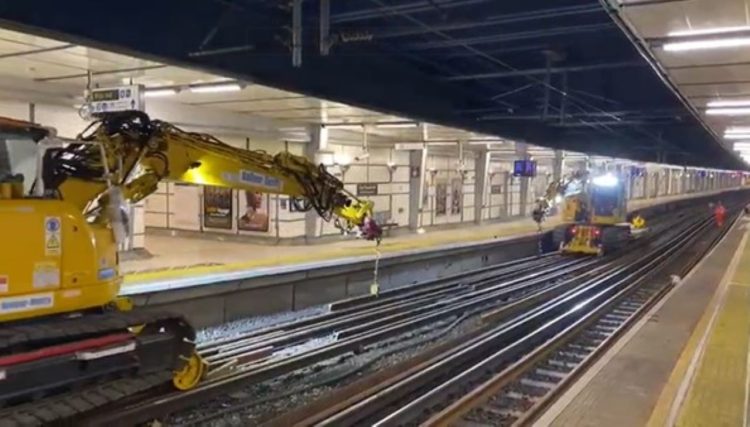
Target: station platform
177, 257
685, 363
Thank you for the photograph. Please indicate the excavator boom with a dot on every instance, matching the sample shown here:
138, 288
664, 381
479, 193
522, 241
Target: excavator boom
139, 152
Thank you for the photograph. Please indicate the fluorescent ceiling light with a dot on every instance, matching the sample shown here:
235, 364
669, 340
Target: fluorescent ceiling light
741, 146
729, 103
343, 126
218, 87
737, 136
155, 93
396, 125
728, 111
486, 142
707, 31
707, 44
736, 129
442, 144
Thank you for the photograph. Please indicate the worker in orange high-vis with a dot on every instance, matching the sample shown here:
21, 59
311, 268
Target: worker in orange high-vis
719, 213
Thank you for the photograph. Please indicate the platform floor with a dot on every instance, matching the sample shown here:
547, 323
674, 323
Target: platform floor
187, 256
684, 363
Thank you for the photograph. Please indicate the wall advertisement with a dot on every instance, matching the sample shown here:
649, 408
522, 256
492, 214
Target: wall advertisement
254, 210
441, 198
217, 207
457, 189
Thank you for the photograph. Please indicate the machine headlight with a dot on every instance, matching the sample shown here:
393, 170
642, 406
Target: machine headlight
607, 180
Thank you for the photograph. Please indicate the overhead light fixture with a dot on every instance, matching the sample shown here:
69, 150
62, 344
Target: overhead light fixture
362, 156
486, 142
344, 126
729, 103
706, 44
404, 125
159, 92
708, 31
737, 136
736, 129
741, 146
215, 87
743, 111
442, 144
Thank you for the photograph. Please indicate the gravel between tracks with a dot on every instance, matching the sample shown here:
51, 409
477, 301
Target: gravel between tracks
236, 327
266, 400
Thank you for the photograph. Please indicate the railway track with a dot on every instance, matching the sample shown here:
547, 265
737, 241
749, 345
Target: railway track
510, 372
353, 326
260, 356
519, 394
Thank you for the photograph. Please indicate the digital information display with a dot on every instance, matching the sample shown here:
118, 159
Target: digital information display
124, 98
524, 168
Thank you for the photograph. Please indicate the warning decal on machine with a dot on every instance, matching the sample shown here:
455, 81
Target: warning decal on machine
52, 236
46, 275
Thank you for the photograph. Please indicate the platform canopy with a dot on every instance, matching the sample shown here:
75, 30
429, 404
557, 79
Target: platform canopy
563, 74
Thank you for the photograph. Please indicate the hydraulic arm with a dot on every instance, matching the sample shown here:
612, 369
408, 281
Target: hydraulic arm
130, 154
554, 194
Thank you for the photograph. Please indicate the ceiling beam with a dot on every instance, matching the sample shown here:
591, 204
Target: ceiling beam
508, 37
543, 71
37, 51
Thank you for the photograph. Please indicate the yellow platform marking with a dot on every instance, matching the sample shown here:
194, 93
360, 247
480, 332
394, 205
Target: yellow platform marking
318, 253
713, 364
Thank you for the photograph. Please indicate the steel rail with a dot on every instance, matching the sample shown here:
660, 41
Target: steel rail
518, 394
355, 339
511, 338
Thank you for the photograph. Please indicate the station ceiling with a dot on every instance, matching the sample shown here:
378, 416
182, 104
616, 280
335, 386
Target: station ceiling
563, 74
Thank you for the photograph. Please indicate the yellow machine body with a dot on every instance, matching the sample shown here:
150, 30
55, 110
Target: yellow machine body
57, 263
583, 240
593, 211
63, 217
61, 255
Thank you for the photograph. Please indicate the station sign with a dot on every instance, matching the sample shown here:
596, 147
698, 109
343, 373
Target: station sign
403, 146
369, 189
114, 99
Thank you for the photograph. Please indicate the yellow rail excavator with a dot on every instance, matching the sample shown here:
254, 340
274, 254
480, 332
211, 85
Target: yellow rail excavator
62, 213
593, 212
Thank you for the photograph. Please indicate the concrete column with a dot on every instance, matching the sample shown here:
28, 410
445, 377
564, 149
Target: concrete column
558, 165
505, 213
631, 184
481, 174
417, 170
522, 151
669, 182
318, 142
655, 184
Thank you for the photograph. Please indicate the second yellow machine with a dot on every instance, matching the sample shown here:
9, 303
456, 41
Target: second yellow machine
593, 213
62, 325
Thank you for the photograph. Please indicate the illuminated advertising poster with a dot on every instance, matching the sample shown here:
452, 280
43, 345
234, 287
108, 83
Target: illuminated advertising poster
217, 207
254, 211
441, 198
456, 194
